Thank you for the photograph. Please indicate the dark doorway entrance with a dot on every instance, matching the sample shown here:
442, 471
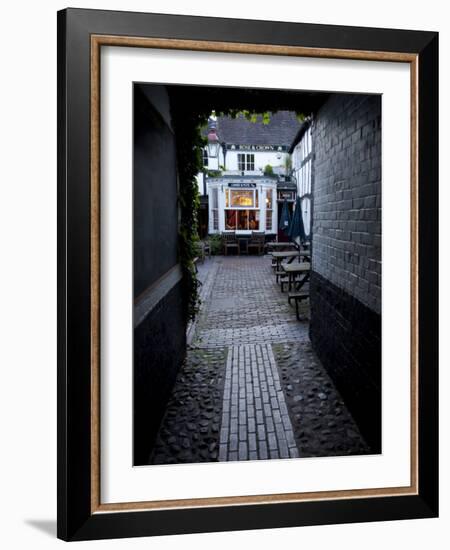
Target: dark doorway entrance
281, 235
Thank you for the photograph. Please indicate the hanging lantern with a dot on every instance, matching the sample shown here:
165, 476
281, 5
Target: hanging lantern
213, 143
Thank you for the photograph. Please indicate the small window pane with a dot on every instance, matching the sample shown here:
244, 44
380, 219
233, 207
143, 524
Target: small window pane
253, 220
243, 219
230, 219
268, 220
308, 187
242, 198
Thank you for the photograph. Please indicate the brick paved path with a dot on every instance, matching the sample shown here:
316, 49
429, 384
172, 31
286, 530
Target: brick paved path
255, 419
248, 347
244, 304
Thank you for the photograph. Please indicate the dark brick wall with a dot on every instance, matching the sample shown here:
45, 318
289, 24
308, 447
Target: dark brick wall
160, 338
155, 214
346, 257
346, 334
347, 195
159, 350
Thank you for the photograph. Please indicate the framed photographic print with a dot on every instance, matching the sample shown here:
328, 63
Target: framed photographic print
247, 274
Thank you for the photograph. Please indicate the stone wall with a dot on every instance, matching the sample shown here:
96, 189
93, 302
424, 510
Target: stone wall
155, 211
159, 325
159, 350
347, 195
346, 260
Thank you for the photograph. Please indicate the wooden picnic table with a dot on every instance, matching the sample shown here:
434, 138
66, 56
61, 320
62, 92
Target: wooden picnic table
289, 255
285, 255
292, 270
280, 246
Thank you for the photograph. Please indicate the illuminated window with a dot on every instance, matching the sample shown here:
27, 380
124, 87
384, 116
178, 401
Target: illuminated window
269, 211
215, 209
304, 164
242, 220
242, 198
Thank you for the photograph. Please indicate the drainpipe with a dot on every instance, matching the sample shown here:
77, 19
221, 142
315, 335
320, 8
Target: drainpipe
224, 149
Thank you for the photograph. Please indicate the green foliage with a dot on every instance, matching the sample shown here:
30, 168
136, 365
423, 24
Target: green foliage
213, 173
265, 118
256, 115
287, 165
250, 115
189, 144
268, 170
215, 244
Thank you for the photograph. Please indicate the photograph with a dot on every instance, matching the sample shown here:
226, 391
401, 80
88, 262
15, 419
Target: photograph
257, 268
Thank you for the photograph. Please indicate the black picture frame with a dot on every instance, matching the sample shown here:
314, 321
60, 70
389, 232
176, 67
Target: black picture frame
75, 518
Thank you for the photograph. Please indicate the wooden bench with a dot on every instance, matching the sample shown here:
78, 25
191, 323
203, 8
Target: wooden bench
282, 277
298, 274
289, 255
297, 297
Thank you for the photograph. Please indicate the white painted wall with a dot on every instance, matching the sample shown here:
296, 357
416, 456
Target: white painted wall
262, 158
301, 173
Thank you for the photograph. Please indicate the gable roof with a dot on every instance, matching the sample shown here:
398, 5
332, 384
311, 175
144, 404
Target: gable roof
281, 130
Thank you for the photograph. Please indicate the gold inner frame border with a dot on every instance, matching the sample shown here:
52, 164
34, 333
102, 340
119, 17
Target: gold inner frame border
97, 41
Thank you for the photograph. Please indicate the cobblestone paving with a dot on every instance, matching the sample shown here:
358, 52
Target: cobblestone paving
251, 386
190, 429
321, 422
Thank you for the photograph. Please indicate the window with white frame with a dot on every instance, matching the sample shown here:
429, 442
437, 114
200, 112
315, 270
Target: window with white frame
241, 209
246, 162
215, 208
304, 164
241, 220
269, 209
241, 198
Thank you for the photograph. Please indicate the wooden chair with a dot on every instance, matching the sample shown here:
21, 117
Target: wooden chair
230, 241
203, 250
200, 249
257, 242
207, 248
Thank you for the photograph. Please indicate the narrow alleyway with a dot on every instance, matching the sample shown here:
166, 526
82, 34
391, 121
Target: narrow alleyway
251, 386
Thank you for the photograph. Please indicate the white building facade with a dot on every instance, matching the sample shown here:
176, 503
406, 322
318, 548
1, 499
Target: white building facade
245, 159
242, 175
242, 204
302, 172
